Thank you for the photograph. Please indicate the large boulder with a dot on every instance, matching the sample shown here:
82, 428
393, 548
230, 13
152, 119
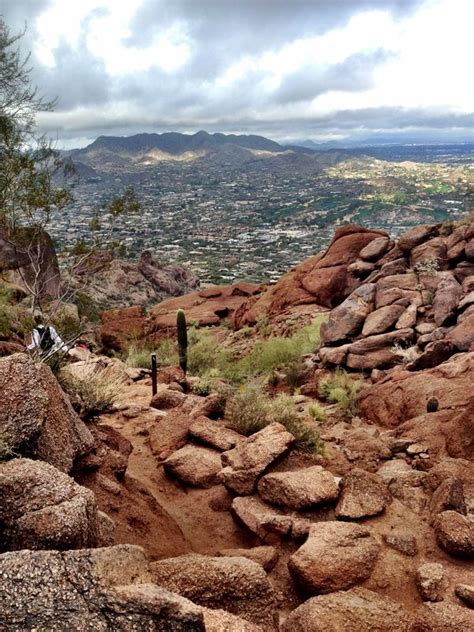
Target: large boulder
303, 488
382, 319
234, 584
462, 335
36, 415
268, 523
42, 508
416, 236
324, 280
404, 395
446, 617
348, 318
455, 533
244, 464
29, 259
194, 465
377, 351
349, 611
214, 434
336, 556
90, 589
363, 494
448, 294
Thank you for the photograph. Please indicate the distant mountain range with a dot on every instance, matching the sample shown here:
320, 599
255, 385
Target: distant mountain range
119, 153
114, 154
175, 143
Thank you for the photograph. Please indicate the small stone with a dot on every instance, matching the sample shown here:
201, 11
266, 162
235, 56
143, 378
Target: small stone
455, 534
417, 448
266, 556
402, 542
429, 579
466, 593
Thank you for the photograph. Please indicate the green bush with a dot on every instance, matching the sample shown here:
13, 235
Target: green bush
205, 355
248, 410
342, 390
317, 413
202, 388
88, 309
138, 354
282, 410
278, 352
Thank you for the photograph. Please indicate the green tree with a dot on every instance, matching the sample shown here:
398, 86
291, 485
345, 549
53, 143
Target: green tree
28, 193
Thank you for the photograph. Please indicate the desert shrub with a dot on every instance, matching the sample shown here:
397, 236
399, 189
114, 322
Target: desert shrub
294, 373
138, 353
6, 451
138, 357
427, 266
447, 228
342, 390
202, 388
406, 354
263, 325
88, 309
282, 410
95, 390
6, 319
248, 410
279, 352
205, 356
317, 413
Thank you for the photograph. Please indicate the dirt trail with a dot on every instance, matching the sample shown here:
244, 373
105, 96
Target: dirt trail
205, 529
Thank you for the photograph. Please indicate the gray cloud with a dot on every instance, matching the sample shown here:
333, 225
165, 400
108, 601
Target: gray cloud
221, 33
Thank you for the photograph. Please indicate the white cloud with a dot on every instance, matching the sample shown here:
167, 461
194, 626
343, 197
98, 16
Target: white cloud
416, 61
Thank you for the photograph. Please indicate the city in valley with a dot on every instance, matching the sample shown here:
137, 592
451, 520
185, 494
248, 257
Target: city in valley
234, 211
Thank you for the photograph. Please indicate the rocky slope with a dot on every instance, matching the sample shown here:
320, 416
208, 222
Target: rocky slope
158, 516
114, 283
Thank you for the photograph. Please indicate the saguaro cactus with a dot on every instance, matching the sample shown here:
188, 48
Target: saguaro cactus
182, 339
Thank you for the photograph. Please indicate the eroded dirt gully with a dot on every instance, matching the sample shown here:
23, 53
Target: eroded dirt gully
169, 518
186, 519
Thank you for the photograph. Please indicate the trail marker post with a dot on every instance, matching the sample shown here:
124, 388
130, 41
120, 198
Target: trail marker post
154, 387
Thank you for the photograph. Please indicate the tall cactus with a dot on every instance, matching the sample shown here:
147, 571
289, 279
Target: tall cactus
182, 339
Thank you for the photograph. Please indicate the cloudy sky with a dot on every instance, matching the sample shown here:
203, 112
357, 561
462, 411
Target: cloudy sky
287, 69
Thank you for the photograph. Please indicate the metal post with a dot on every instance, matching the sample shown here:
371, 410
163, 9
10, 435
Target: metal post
154, 387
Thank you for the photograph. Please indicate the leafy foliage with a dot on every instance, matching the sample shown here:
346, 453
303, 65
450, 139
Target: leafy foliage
248, 410
342, 390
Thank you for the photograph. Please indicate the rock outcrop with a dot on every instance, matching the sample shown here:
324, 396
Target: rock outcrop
42, 508
115, 283
412, 296
322, 281
234, 584
90, 589
37, 416
244, 464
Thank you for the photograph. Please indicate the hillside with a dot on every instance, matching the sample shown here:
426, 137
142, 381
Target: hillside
313, 470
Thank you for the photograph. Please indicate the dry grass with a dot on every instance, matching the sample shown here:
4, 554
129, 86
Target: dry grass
96, 390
